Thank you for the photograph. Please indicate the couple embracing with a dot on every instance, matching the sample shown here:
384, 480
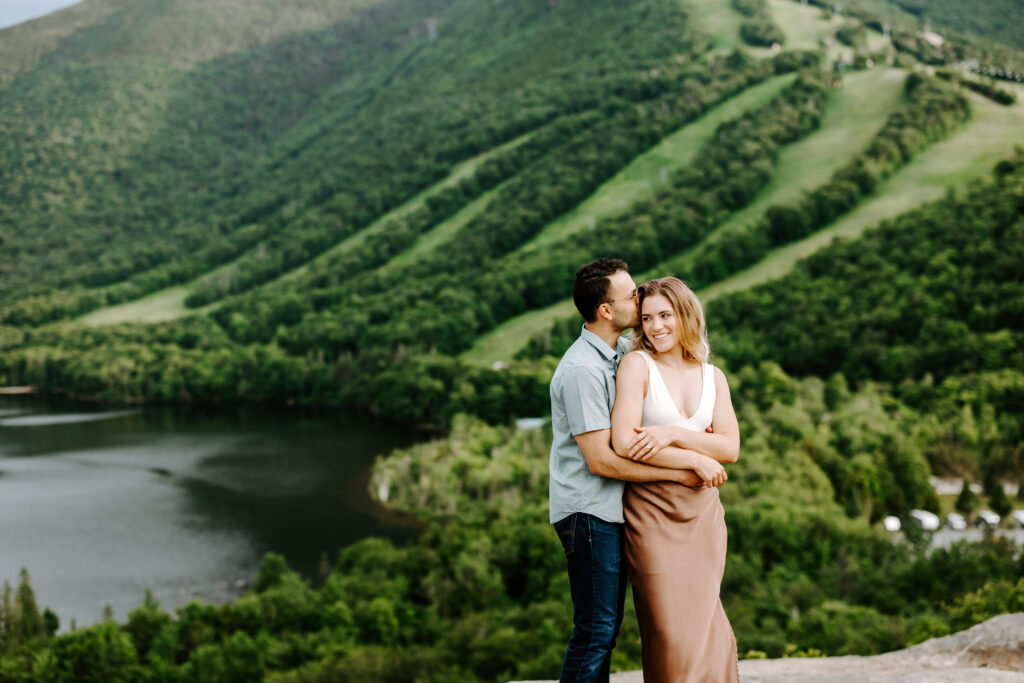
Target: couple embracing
640, 430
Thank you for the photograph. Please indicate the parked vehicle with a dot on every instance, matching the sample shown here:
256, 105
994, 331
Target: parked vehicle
891, 523
956, 521
928, 520
986, 518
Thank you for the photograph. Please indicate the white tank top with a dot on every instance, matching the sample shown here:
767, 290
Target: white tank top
660, 409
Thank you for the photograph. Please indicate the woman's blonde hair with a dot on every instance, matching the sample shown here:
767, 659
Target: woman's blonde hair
693, 334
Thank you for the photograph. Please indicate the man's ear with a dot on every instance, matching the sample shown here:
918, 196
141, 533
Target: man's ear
604, 311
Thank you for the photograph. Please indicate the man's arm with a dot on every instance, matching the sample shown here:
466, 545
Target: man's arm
603, 461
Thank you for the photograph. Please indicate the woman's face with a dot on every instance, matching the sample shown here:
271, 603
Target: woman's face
660, 324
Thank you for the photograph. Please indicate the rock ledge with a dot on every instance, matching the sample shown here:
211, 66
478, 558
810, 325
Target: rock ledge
991, 652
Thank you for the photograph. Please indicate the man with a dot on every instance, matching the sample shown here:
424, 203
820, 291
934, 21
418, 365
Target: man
586, 475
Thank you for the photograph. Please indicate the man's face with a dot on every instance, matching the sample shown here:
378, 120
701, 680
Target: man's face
622, 298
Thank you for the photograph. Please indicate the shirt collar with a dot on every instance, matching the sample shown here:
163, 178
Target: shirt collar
606, 351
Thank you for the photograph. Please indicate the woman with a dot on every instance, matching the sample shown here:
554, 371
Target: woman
667, 400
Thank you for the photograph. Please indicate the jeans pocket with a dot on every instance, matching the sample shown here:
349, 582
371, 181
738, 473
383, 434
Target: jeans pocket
566, 530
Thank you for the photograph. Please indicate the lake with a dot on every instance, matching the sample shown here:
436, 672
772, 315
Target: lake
99, 504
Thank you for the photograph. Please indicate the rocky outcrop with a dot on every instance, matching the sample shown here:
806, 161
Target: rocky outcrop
991, 652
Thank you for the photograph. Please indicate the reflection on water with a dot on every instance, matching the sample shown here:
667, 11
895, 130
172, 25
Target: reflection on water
63, 418
98, 505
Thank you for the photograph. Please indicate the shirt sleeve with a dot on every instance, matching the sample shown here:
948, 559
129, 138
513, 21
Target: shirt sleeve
585, 396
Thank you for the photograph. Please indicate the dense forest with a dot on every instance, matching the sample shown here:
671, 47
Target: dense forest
482, 595
339, 207
987, 18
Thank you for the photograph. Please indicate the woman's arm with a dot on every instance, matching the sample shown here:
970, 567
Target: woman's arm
670, 457
628, 411
723, 444
627, 414
601, 460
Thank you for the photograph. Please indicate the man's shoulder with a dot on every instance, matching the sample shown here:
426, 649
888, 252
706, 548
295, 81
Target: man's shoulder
572, 369
577, 355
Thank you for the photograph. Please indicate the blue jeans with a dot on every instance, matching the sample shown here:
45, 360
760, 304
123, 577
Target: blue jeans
597, 582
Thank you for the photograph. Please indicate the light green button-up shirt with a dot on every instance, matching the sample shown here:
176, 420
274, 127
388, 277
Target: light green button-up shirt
582, 395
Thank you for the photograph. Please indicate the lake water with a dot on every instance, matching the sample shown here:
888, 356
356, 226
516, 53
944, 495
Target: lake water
99, 504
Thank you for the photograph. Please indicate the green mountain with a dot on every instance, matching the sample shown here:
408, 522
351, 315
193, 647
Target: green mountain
380, 204
201, 202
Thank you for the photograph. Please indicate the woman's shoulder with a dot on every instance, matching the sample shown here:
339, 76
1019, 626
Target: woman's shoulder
720, 379
634, 362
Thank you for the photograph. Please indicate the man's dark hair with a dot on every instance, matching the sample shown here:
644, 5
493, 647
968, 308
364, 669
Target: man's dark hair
592, 285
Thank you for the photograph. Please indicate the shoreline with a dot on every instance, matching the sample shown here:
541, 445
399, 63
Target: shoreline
17, 391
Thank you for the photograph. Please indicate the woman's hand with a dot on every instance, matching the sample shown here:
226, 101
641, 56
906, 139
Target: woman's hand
710, 470
649, 440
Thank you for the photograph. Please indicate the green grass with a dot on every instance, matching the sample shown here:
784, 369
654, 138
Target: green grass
804, 26
167, 304
952, 163
505, 341
642, 177
459, 172
851, 118
718, 20
445, 230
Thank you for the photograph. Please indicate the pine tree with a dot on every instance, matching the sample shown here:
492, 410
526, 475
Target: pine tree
967, 502
1000, 502
51, 622
6, 619
30, 621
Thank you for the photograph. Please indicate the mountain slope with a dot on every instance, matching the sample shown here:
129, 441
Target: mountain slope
436, 170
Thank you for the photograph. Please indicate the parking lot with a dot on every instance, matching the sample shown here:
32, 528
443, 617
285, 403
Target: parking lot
944, 537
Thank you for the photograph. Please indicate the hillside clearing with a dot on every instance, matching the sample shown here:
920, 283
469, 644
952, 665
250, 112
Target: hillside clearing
641, 178
804, 26
169, 304
718, 20
968, 154
851, 118
444, 230
948, 165
460, 172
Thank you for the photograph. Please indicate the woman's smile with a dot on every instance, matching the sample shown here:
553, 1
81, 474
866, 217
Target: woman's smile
659, 322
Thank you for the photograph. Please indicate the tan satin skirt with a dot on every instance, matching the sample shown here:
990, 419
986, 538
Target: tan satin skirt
675, 552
